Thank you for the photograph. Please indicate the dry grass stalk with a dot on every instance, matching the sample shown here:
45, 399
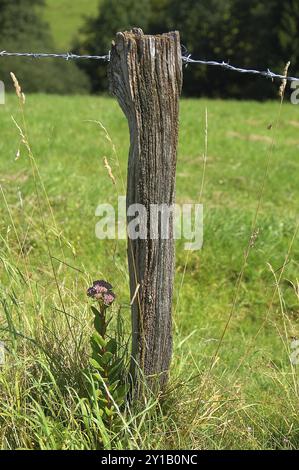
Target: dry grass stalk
135, 294
284, 81
18, 88
108, 168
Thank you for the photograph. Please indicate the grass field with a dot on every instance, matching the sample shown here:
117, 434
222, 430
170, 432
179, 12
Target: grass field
249, 399
66, 18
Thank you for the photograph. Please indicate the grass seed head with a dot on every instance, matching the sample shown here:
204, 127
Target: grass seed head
284, 81
18, 88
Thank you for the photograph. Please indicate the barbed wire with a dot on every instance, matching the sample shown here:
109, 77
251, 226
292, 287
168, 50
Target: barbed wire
66, 56
186, 59
267, 73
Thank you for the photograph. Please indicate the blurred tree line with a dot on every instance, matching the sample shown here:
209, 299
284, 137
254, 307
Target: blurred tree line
22, 30
247, 33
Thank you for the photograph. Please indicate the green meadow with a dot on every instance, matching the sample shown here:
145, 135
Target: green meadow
236, 312
66, 18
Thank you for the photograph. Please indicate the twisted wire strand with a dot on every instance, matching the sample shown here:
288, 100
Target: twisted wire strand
186, 59
264, 73
66, 56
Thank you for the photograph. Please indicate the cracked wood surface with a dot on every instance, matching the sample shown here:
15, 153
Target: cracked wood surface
145, 74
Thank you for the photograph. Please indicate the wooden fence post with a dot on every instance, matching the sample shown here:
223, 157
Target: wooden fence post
145, 74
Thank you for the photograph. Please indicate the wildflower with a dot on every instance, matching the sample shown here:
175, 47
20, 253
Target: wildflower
109, 298
102, 291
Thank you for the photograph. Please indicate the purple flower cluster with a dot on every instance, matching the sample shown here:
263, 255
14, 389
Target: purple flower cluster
102, 291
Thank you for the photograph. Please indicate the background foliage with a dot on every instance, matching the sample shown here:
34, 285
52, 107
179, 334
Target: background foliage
23, 29
247, 33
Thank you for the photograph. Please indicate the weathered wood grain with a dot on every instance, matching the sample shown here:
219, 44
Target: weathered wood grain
145, 74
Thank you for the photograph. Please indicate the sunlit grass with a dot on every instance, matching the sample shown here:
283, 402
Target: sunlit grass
249, 399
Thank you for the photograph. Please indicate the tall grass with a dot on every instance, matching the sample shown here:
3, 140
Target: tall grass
247, 401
